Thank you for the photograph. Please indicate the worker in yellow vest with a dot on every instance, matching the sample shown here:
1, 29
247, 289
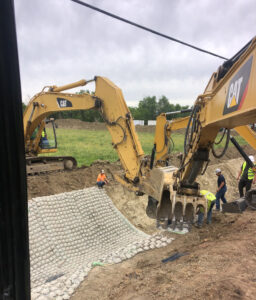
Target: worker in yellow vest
44, 142
246, 177
211, 200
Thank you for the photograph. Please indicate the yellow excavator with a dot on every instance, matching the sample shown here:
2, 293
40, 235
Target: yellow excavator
108, 100
228, 102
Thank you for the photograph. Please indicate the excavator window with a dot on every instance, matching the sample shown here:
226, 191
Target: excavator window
49, 139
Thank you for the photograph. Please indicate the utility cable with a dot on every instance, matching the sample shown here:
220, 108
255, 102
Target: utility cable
146, 28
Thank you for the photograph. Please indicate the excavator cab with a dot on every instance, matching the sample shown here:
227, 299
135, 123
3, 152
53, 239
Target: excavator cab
48, 139
44, 139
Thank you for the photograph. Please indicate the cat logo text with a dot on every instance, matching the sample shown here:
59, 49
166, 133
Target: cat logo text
237, 89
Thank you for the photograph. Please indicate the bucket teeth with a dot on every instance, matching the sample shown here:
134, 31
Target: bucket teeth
151, 207
173, 225
175, 212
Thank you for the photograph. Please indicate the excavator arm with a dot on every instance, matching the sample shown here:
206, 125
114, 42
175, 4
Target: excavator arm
165, 128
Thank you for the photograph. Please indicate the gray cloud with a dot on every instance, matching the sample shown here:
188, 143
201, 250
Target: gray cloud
61, 42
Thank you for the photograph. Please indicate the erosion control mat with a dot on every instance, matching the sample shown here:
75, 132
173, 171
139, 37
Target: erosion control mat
72, 232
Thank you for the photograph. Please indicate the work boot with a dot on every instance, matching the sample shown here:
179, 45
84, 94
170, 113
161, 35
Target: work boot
198, 225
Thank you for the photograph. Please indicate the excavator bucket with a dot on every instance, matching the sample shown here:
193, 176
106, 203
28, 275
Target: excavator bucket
151, 207
239, 205
250, 198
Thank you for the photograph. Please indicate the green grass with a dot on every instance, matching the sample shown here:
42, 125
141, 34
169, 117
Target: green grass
87, 145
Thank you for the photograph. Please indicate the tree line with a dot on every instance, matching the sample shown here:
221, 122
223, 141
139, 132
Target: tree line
148, 109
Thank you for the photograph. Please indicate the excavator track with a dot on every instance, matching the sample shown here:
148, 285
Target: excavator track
44, 164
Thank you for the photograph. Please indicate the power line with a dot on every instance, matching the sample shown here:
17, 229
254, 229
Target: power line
145, 28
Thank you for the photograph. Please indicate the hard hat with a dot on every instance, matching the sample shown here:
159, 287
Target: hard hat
203, 192
217, 171
102, 171
251, 158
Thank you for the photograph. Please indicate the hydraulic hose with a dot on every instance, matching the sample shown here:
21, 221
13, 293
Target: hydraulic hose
226, 131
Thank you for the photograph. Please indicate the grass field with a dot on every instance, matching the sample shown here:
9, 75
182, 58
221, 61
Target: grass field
87, 145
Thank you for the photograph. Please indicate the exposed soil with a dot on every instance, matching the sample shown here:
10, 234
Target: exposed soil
66, 181
78, 124
220, 264
59, 182
221, 259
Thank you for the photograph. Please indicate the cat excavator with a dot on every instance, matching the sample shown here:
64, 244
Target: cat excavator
108, 100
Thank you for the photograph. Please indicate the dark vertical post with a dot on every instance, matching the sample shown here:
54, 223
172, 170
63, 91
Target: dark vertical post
14, 249
241, 151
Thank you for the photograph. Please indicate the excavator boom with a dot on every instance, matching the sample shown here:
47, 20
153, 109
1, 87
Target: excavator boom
232, 99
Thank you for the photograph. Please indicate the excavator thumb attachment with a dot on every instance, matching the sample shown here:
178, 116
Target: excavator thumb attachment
239, 205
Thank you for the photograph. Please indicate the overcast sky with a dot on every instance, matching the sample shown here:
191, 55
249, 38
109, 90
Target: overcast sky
61, 42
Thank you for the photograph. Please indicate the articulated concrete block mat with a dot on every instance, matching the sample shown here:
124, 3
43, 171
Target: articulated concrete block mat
69, 232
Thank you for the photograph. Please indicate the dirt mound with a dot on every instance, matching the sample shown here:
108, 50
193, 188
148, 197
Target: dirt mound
66, 181
231, 153
78, 124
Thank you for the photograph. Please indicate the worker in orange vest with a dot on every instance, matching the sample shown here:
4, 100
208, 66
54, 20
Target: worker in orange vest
101, 179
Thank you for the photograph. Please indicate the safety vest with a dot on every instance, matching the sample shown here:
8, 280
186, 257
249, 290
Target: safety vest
101, 177
209, 197
43, 134
250, 171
